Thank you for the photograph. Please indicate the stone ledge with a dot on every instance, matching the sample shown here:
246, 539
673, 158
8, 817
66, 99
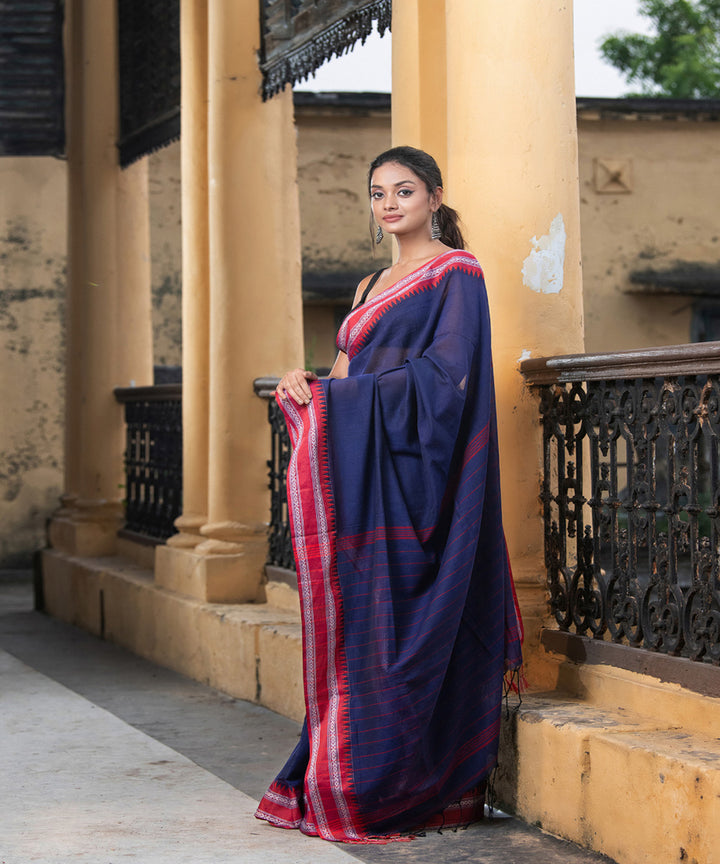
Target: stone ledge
696, 675
612, 781
653, 700
251, 651
622, 766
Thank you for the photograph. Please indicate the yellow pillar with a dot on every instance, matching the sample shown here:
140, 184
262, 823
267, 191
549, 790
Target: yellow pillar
196, 271
255, 310
513, 173
500, 120
74, 309
419, 82
108, 309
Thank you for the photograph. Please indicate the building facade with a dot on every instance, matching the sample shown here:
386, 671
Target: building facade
647, 211
598, 712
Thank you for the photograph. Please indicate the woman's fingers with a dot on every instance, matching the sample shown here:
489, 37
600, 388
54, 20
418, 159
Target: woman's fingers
295, 385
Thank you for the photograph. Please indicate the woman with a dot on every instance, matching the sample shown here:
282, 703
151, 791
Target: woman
409, 616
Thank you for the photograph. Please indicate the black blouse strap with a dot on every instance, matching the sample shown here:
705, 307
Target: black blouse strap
373, 279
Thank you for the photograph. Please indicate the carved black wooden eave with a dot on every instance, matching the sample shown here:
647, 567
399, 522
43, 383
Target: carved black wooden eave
298, 36
149, 47
31, 78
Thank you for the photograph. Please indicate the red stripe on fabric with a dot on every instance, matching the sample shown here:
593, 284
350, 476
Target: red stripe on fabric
383, 654
473, 539
478, 443
354, 333
393, 532
281, 806
518, 614
470, 808
456, 763
332, 809
417, 565
472, 491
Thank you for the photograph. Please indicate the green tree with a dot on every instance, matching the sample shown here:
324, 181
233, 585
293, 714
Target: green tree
682, 61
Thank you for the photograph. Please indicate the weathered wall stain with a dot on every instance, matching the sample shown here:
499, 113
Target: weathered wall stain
167, 320
32, 346
669, 214
665, 211
32, 333
166, 255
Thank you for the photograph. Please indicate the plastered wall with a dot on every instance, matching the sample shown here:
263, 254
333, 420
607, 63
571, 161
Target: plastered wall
32, 346
663, 211
166, 254
661, 208
33, 203
335, 147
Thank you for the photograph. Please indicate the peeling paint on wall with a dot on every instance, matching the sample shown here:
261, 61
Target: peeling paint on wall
543, 268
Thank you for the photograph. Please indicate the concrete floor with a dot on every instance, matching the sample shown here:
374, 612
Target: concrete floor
108, 758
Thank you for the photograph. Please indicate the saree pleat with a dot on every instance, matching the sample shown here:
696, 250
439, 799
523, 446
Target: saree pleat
408, 610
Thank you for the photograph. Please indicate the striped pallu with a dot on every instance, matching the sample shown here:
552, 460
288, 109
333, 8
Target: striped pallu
408, 609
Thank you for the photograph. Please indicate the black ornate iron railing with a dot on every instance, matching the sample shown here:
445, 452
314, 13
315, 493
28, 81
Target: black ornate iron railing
631, 495
280, 552
153, 460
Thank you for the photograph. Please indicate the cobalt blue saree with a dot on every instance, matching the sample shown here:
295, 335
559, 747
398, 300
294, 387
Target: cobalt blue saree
408, 609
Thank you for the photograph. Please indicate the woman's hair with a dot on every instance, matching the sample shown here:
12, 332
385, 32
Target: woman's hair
426, 168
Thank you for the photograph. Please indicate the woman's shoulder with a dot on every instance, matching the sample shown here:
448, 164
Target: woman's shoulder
457, 259
365, 285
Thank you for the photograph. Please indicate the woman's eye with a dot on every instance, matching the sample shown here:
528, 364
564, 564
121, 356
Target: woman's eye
406, 193
376, 195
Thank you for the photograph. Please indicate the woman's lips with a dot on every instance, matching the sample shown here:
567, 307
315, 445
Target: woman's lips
391, 218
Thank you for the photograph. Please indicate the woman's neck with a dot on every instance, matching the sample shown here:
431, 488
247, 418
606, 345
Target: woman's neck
412, 249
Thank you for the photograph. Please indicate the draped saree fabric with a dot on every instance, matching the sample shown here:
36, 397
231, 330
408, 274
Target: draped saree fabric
408, 609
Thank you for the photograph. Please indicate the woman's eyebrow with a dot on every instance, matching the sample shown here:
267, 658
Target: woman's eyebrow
399, 183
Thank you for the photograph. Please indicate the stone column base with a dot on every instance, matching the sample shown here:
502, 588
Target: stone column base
86, 530
213, 578
532, 596
188, 536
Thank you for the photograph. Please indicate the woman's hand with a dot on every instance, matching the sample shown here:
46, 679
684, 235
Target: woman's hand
295, 384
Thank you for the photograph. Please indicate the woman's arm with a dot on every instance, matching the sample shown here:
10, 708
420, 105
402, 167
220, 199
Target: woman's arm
340, 366
295, 383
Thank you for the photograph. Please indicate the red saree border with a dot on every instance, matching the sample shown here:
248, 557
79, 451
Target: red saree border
330, 809
516, 603
357, 326
469, 809
280, 806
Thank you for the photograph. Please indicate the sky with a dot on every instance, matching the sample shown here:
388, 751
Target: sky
367, 67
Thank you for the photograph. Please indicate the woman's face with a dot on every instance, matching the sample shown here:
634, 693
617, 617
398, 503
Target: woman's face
400, 200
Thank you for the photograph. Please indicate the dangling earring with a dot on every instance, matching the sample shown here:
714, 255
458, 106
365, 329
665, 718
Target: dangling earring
379, 235
435, 232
